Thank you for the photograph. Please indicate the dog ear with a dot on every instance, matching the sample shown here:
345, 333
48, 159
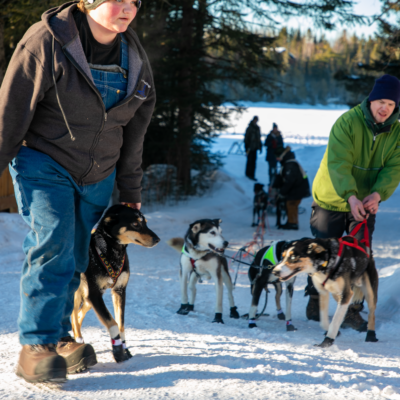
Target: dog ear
217, 221
315, 247
196, 227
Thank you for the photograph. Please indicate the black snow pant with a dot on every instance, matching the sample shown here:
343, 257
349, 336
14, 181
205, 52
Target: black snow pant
251, 164
326, 224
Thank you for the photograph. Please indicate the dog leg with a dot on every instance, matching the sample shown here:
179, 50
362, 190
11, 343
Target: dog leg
323, 308
371, 301
108, 321
184, 272
228, 283
193, 291
217, 278
257, 290
338, 318
289, 295
118, 298
278, 294
76, 327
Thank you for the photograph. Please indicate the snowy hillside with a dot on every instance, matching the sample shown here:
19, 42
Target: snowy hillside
188, 357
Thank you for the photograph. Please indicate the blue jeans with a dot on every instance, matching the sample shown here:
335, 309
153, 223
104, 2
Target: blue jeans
61, 215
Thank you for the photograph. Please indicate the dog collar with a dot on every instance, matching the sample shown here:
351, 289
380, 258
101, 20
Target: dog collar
113, 274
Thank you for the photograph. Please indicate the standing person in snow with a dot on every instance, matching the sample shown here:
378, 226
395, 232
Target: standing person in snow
293, 186
75, 104
273, 142
360, 168
252, 143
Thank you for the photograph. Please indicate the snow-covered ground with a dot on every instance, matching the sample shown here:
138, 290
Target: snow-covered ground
188, 357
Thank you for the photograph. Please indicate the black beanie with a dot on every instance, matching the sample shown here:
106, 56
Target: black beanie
386, 87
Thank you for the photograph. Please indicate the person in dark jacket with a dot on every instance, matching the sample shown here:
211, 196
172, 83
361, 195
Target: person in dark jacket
252, 143
75, 104
273, 141
293, 185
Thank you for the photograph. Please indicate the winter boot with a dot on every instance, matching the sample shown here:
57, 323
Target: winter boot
354, 320
78, 356
312, 310
41, 363
287, 226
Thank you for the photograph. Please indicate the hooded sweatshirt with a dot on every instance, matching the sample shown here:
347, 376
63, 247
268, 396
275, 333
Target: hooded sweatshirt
361, 158
97, 141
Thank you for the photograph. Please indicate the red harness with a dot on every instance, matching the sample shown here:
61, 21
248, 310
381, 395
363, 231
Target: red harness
343, 242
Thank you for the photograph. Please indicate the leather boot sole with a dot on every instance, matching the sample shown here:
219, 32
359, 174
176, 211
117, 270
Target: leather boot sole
83, 364
55, 375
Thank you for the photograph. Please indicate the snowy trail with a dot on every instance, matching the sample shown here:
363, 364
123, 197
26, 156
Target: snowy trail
187, 357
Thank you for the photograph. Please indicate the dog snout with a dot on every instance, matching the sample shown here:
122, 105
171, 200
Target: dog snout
226, 243
156, 240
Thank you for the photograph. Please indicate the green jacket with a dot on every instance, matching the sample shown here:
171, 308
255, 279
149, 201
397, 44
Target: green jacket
362, 157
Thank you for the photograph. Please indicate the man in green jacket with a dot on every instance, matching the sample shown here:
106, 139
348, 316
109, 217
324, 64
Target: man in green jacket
360, 168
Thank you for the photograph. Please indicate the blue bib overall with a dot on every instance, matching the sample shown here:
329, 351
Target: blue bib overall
112, 80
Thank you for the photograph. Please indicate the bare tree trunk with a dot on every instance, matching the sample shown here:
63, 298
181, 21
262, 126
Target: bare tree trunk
185, 89
2, 51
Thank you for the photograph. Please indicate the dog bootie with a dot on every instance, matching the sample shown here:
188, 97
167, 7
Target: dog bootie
290, 327
218, 318
184, 310
281, 315
252, 323
234, 313
328, 342
354, 320
371, 337
126, 350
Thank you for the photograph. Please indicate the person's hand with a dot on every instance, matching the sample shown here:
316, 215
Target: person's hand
357, 208
371, 202
133, 205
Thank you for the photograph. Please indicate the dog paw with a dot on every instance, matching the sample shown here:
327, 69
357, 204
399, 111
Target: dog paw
119, 353
128, 354
291, 328
371, 337
184, 310
328, 342
218, 318
281, 316
234, 313
252, 324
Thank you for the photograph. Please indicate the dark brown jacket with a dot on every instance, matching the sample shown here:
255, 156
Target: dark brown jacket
98, 141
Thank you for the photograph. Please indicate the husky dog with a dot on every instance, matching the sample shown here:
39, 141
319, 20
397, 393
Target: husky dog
201, 251
260, 204
109, 269
260, 275
345, 270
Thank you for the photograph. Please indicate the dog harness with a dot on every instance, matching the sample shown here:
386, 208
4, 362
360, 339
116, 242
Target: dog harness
270, 254
192, 261
113, 274
343, 241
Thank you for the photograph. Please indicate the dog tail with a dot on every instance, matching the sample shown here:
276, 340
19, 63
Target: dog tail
176, 243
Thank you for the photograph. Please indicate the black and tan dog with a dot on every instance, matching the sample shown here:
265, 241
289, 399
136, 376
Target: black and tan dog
345, 270
260, 275
109, 269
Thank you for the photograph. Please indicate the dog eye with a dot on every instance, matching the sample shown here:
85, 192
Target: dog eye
293, 258
212, 233
135, 224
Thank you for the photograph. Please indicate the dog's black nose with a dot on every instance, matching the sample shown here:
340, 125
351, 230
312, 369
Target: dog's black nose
156, 239
226, 243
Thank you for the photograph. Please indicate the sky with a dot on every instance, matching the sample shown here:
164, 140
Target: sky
361, 7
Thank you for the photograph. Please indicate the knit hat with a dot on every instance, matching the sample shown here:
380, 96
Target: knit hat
92, 4
386, 87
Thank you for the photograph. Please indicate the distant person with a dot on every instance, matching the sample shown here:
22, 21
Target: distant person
252, 143
360, 169
293, 186
273, 141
